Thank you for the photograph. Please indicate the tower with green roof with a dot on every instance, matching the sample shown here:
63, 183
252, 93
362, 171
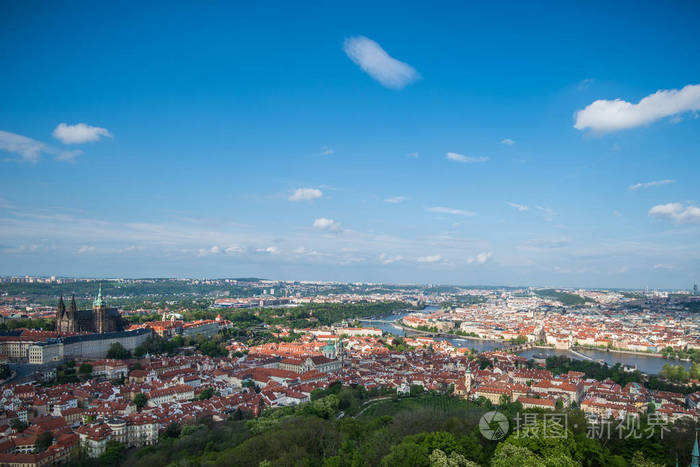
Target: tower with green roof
99, 310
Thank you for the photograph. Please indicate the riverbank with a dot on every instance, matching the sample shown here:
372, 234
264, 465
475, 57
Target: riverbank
645, 362
445, 334
630, 352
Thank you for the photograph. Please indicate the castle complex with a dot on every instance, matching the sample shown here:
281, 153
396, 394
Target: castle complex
98, 320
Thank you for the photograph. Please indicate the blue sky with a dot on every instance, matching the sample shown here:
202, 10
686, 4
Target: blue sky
509, 144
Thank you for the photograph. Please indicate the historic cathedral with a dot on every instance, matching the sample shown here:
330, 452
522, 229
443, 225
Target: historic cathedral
100, 319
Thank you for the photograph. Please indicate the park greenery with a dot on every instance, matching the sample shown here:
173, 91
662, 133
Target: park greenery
36, 323
118, 352
351, 426
566, 298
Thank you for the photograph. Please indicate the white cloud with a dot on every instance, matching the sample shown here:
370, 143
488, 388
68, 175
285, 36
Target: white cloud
378, 64
606, 115
304, 251
386, 259
413, 155
583, 85
617, 213
6, 204
305, 194
637, 186
327, 224
519, 207
79, 133
453, 156
507, 141
444, 210
430, 259
547, 213
327, 151
395, 199
30, 150
273, 250
481, 258
664, 266
217, 250
86, 249
546, 243
676, 212
214, 250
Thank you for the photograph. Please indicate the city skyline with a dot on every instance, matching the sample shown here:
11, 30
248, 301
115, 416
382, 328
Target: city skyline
479, 147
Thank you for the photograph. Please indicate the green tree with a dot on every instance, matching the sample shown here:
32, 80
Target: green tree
439, 459
205, 394
140, 401
638, 460
118, 352
85, 369
44, 440
114, 452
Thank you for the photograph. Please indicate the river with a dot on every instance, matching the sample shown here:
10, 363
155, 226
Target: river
646, 364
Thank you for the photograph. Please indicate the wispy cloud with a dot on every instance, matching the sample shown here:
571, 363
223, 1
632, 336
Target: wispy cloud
327, 151
386, 259
453, 156
585, 84
664, 266
378, 64
507, 141
613, 115
86, 249
547, 213
430, 259
519, 207
30, 150
637, 186
413, 155
214, 250
481, 258
395, 199
304, 251
328, 225
272, 250
676, 212
456, 212
79, 133
305, 194
548, 243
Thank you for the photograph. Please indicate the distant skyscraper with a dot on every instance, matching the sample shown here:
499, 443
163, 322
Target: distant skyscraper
695, 289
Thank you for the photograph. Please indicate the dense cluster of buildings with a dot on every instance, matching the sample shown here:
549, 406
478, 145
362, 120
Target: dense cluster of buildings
90, 413
86, 415
608, 321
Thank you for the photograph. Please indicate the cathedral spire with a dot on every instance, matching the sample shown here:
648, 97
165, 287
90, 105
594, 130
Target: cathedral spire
695, 455
73, 310
61, 308
98, 301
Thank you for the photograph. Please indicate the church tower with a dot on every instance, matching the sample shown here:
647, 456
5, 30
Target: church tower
61, 311
72, 316
468, 379
99, 311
